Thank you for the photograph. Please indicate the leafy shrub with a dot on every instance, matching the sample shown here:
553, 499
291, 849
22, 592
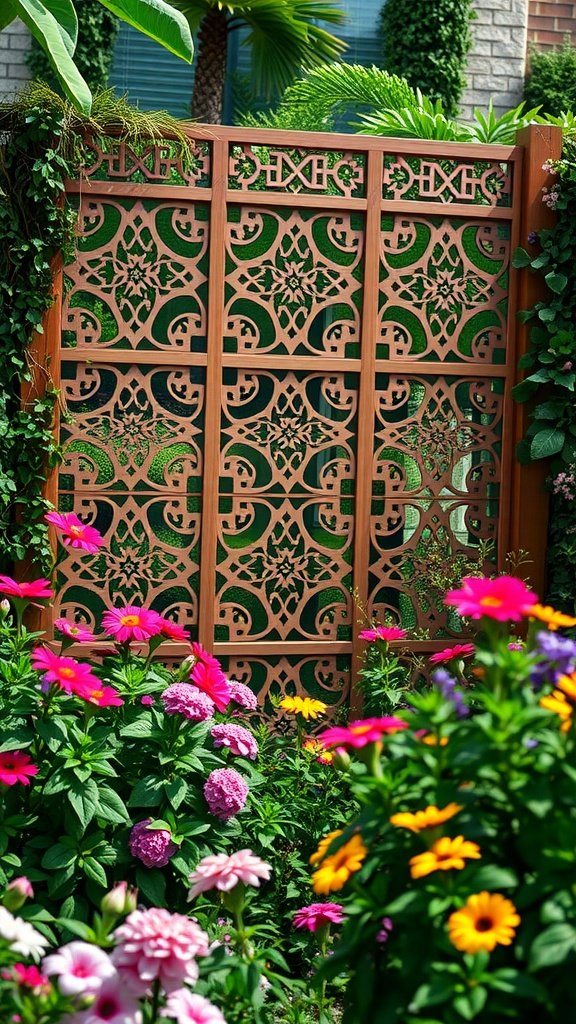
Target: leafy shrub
551, 82
427, 44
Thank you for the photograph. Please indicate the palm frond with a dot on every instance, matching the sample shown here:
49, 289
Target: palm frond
338, 85
501, 129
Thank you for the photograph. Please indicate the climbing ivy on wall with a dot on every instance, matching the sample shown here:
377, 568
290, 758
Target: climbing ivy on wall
97, 30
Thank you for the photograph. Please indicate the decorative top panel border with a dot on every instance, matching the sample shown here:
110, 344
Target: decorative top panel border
254, 168
150, 163
447, 180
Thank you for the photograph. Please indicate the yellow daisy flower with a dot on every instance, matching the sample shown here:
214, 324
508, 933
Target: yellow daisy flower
432, 741
317, 750
562, 700
305, 706
335, 870
430, 817
486, 920
553, 619
323, 846
444, 855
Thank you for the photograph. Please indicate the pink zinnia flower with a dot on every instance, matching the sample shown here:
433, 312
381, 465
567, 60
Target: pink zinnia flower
73, 632
185, 699
74, 532
153, 846
28, 977
451, 653
15, 766
102, 696
238, 740
81, 968
147, 700
504, 598
174, 631
386, 633
242, 695
208, 676
69, 674
223, 872
359, 734
185, 1007
317, 915
37, 590
131, 623
157, 944
114, 1004
225, 792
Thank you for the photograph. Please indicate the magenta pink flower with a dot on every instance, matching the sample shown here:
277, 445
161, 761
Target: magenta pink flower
37, 590
157, 944
15, 766
28, 977
503, 598
242, 695
74, 532
185, 1007
223, 872
153, 846
147, 700
81, 968
69, 674
185, 699
131, 623
318, 915
238, 740
173, 631
73, 632
451, 653
386, 633
359, 734
114, 1004
102, 696
225, 792
208, 676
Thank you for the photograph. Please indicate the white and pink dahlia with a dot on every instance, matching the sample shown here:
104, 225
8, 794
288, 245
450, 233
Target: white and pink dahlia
186, 1007
223, 872
159, 945
80, 967
239, 740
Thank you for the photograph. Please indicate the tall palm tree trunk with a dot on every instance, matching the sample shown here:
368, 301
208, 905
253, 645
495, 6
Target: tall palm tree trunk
210, 77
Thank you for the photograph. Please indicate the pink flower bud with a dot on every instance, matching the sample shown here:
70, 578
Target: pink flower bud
17, 892
120, 900
567, 365
147, 700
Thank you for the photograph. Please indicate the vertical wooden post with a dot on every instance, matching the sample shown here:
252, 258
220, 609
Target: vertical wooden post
529, 512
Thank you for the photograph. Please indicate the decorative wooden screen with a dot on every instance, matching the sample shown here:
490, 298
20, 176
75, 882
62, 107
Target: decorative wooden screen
288, 373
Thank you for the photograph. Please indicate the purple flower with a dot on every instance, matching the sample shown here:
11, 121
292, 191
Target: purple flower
190, 701
558, 658
385, 928
225, 791
529, 743
446, 684
242, 695
238, 740
153, 847
532, 237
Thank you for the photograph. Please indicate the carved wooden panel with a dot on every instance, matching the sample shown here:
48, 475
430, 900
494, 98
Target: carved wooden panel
257, 168
445, 180
158, 164
326, 678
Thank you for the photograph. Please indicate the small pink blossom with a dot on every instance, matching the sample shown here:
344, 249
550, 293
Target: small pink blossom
80, 967
131, 623
147, 700
238, 740
15, 766
73, 632
451, 653
185, 1007
386, 927
242, 695
225, 792
74, 532
114, 1004
503, 598
318, 915
28, 977
37, 590
69, 674
385, 633
185, 699
157, 944
358, 734
174, 631
153, 846
223, 872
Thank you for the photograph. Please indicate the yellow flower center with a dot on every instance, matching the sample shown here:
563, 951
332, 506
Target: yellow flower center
97, 694
491, 602
67, 673
76, 531
359, 730
130, 620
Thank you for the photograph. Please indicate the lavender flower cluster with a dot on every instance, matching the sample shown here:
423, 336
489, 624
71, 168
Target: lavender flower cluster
446, 684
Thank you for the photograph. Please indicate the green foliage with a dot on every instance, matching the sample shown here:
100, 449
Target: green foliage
427, 44
97, 29
551, 82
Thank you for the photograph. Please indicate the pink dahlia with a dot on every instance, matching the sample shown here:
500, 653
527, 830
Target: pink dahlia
81, 968
318, 915
238, 740
185, 1007
223, 872
359, 734
74, 532
156, 944
242, 695
37, 590
208, 676
187, 700
451, 653
15, 766
153, 846
225, 791
73, 632
131, 623
386, 633
503, 598
69, 674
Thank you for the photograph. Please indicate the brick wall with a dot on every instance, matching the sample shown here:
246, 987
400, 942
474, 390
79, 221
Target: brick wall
549, 21
14, 42
497, 60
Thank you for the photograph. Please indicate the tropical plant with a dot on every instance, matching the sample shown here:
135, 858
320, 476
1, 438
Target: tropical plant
97, 30
283, 35
54, 24
551, 80
427, 44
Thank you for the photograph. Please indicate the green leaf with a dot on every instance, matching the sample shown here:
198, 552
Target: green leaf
147, 792
80, 928
7, 14
55, 41
111, 807
554, 945
64, 13
158, 20
470, 1005
556, 282
140, 729
521, 259
490, 876
152, 883
546, 314
94, 870
176, 791
53, 732
547, 442
58, 856
84, 799
524, 390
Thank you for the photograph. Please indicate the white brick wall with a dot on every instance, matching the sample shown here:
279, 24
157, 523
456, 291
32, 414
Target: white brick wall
14, 42
496, 62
